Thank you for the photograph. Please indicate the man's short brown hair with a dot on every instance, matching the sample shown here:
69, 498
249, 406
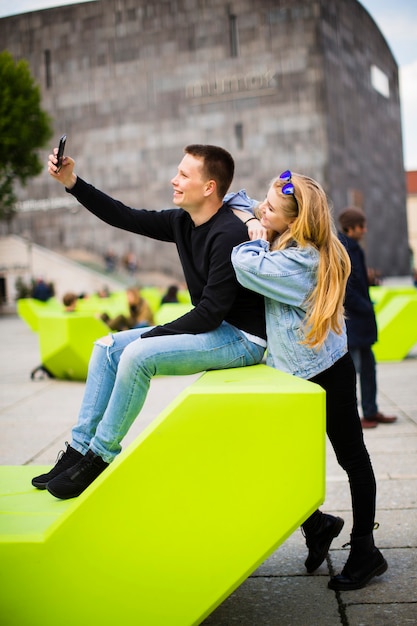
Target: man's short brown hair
351, 217
218, 165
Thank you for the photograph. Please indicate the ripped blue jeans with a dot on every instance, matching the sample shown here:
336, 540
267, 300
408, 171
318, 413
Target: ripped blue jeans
121, 368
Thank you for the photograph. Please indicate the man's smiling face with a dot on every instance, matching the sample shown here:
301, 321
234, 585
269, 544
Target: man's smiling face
190, 184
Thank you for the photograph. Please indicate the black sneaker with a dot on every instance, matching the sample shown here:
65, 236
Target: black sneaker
64, 461
73, 481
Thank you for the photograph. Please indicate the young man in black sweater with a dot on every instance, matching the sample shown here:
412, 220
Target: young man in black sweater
226, 327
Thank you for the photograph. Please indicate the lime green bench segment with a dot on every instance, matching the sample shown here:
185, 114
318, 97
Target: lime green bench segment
397, 328
153, 297
66, 341
29, 309
115, 304
382, 295
379, 295
171, 310
184, 296
190, 509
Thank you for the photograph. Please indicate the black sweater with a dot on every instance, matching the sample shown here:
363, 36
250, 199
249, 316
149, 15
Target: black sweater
204, 252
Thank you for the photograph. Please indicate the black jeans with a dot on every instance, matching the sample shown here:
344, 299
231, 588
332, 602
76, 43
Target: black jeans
345, 434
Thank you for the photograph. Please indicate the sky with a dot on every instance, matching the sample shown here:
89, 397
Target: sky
397, 20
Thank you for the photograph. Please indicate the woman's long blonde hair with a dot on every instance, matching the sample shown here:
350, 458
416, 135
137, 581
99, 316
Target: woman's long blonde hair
313, 225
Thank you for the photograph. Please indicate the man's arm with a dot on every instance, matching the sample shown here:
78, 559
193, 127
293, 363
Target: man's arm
154, 224
217, 297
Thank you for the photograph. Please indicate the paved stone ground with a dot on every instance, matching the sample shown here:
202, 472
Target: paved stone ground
35, 421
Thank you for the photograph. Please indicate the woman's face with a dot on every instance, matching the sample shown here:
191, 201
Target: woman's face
272, 215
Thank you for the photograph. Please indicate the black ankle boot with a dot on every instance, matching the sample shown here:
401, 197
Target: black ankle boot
65, 460
72, 482
319, 535
364, 562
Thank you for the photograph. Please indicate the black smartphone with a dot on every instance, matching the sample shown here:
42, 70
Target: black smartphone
61, 149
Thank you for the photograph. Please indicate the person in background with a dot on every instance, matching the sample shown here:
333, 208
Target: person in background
104, 292
140, 314
301, 268
130, 262
42, 291
69, 300
361, 323
110, 260
171, 295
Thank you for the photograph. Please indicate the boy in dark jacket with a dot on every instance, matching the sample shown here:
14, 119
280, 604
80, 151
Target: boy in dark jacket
361, 322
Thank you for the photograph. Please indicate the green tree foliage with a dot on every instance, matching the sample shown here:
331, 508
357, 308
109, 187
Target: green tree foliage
24, 128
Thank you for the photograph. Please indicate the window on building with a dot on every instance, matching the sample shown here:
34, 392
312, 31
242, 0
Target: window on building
355, 198
234, 40
239, 135
48, 72
379, 81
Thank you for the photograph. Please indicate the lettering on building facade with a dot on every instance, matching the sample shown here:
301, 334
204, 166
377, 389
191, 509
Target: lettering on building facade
245, 84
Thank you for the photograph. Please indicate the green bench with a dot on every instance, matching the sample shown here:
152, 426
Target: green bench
180, 519
171, 311
397, 328
29, 309
382, 295
66, 342
66, 339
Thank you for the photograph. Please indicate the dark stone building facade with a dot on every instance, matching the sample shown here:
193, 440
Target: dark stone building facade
307, 85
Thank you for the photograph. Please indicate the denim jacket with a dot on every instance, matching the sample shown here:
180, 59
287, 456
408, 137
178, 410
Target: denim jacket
286, 278
240, 200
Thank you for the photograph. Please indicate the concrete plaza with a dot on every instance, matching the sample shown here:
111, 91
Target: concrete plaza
35, 420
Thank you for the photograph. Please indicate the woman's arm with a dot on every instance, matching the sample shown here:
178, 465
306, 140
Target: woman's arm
254, 226
283, 275
244, 207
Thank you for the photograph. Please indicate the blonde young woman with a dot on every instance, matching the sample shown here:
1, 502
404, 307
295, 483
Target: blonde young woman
301, 269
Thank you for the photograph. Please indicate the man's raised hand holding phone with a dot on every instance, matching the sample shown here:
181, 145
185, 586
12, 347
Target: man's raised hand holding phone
61, 167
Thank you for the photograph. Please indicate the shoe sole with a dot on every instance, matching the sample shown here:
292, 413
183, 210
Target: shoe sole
62, 496
378, 571
336, 532
39, 485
